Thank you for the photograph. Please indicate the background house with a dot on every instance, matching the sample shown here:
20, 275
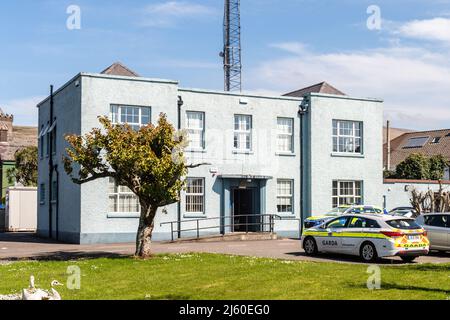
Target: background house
428, 143
12, 138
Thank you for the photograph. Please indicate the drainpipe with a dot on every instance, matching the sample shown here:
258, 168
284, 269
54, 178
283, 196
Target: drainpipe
303, 110
180, 104
388, 153
50, 169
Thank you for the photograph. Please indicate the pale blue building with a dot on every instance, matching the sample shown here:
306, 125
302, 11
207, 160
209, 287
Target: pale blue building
291, 156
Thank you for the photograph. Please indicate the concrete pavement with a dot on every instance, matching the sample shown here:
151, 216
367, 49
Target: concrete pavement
22, 246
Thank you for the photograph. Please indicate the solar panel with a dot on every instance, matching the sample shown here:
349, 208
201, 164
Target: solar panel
417, 142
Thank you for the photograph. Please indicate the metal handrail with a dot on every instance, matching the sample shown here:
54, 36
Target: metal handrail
262, 223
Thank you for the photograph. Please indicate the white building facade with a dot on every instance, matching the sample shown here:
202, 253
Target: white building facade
265, 158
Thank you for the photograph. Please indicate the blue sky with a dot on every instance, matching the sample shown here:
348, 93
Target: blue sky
286, 45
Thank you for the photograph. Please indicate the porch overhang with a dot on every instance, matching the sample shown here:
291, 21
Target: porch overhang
244, 177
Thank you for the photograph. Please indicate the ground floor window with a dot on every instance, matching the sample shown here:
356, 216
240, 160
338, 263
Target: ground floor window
285, 196
122, 199
195, 196
347, 193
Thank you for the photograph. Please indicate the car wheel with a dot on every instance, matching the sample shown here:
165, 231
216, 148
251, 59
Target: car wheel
368, 253
408, 259
310, 246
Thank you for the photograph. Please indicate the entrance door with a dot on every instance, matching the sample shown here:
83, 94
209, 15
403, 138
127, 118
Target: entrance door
243, 210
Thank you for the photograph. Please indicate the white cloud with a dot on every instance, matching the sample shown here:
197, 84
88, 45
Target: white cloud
291, 47
24, 110
436, 29
413, 82
167, 14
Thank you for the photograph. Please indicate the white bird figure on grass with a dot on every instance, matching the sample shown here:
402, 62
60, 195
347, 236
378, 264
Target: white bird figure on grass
32, 293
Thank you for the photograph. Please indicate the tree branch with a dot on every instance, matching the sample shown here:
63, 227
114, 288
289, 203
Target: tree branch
93, 177
192, 166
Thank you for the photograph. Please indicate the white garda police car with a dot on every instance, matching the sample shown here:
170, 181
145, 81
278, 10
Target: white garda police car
369, 236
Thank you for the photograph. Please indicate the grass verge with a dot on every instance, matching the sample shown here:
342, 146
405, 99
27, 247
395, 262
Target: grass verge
211, 276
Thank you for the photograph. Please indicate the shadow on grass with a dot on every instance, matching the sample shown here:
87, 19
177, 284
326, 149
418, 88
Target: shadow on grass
331, 257
396, 286
430, 267
70, 256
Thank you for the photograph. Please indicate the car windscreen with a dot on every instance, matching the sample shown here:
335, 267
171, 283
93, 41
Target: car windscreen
404, 224
401, 213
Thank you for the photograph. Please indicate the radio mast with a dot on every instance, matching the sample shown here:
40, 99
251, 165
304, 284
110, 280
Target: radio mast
232, 46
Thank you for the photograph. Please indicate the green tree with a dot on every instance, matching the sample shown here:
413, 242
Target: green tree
389, 174
25, 170
421, 167
149, 161
438, 164
416, 166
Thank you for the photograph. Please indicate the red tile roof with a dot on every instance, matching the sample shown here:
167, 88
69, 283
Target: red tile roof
400, 152
118, 69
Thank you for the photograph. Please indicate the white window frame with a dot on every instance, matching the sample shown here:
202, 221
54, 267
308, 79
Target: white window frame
282, 134
117, 194
239, 133
353, 137
200, 131
116, 119
285, 196
341, 197
192, 194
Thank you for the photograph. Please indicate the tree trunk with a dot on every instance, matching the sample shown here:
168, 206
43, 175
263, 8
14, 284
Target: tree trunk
145, 230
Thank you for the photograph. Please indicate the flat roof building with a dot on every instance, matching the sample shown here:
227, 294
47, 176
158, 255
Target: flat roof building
254, 144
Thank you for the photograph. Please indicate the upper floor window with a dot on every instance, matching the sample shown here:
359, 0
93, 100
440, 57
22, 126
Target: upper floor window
54, 191
243, 132
122, 199
347, 193
136, 117
285, 136
3, 135
347, 136
195, 196
195, 123
47, 149
285, 196
53, 137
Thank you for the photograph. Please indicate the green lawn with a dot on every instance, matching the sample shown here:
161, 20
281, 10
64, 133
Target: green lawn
208, 276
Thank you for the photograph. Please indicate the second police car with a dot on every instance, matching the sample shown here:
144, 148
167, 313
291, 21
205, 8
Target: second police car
369, 236
338, 211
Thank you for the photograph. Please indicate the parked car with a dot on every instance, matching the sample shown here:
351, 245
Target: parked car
369, 236
438, 227
407, 212
338, 211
